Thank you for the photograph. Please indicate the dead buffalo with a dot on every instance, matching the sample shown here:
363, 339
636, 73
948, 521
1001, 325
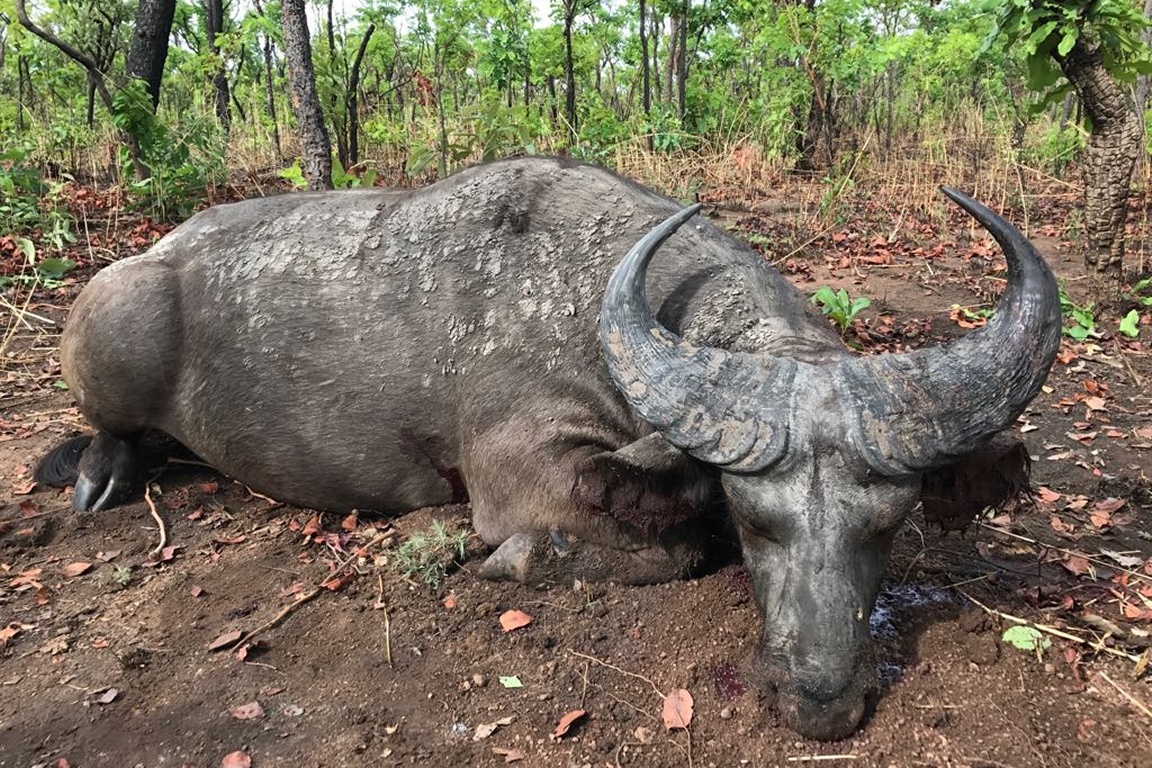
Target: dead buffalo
386, 351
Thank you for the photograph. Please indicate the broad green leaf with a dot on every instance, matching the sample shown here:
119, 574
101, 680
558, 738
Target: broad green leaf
1069, 35
1130, 325
1026, 638
511, 681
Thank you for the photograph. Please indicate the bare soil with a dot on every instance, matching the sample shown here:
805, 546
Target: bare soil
110, 664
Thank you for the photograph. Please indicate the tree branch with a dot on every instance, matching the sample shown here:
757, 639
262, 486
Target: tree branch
67, 50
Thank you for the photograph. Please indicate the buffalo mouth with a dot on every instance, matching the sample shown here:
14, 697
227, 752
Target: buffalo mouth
823, 706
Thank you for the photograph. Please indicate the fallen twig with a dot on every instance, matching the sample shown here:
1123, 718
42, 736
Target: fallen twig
1090, 558
613, 667
1139, 705
387, 622
821, 758
287, 610
1093, 644
156, 516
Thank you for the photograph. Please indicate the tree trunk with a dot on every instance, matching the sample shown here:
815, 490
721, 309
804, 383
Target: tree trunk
682, 65
149, 49
314, 140
1144, 82
269, 90
352, 103
645, 64
1113, 146
569, 74
214, 17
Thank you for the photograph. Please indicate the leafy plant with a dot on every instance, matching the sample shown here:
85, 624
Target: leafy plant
839, 306
1083, 317
1027, 639
427, 556
1130, 325
28, 204
48, 273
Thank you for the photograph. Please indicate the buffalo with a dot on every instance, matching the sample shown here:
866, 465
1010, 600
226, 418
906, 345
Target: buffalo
480, 339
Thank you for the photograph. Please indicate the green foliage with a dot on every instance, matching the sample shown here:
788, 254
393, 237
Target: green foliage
28, 205
341, 179
1130, 324
1140, 294
1045, 31
489, 131
1083, 317
1026, 639
839, 306
426, 557
177, 168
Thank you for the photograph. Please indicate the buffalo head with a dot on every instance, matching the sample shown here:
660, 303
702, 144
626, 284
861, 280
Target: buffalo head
821, 459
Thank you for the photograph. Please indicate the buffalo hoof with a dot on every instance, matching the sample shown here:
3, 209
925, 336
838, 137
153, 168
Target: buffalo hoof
520, 557
554, 557
108, 470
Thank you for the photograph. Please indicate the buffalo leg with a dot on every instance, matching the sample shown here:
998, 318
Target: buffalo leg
560, 512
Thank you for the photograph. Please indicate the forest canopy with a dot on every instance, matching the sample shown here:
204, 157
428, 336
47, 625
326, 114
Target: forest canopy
831, 89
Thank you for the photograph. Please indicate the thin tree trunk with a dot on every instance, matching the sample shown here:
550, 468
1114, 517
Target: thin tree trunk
646, 69
352, 98
269, 90
149, 49
682, 64
314, 140
214, 18
1113, 146
569, 74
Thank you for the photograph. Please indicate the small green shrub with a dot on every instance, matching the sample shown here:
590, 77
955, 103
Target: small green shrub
1083, 317
841, 308
427, 557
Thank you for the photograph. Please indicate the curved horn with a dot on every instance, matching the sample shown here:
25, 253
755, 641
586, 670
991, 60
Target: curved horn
914, 411
724, 408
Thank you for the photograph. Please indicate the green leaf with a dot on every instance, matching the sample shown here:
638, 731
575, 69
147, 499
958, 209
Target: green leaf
1038, 36
28, 247
511, 681
54, 268
60, 384
1130, 325
1069, 35
1026, 638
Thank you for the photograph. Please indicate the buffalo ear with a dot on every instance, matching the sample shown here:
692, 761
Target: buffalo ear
649, 485
988, 477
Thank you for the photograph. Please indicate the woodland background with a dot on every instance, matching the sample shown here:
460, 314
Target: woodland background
169, 101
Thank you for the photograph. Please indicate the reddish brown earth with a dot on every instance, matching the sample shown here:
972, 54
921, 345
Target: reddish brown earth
110, 665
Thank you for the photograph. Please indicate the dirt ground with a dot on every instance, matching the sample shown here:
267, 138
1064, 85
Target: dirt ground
106, 648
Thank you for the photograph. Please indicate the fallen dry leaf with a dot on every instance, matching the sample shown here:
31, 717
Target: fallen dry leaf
75, 569
677, 709
510, 755
249, 711
349, 523
514, 619
567, 721
1077, 565
225, 640
108, 556
484, 730
107, 697
1061, 527
237, 759
1047, 494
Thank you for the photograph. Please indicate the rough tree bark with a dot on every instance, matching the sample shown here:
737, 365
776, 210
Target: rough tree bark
314, 140
569, 74
352, 98
1113, 146
149, 49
